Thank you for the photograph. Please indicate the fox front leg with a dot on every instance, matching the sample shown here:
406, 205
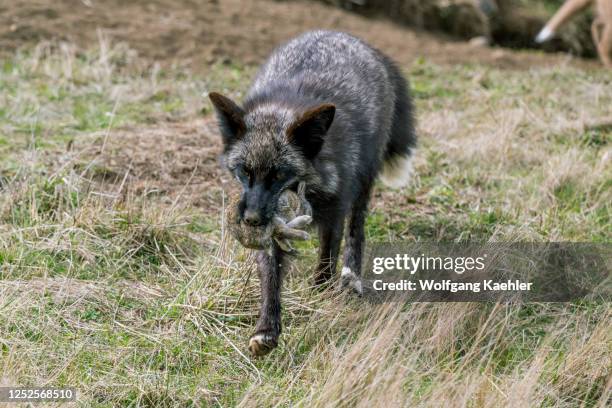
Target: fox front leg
268, 329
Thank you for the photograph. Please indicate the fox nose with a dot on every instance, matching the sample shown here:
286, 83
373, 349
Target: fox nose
252, 218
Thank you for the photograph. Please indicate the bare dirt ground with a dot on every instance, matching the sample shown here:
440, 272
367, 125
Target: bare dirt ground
176, 162
196, 33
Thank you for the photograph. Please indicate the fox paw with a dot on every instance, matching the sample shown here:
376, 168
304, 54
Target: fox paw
261, 344
348, 280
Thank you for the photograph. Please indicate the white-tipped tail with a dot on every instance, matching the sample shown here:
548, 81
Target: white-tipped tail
544, 35
396, 172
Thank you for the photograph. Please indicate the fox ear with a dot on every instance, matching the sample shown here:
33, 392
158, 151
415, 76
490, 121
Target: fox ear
308, 132
230, 117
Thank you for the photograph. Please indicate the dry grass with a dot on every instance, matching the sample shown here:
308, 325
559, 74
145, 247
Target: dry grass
117, 277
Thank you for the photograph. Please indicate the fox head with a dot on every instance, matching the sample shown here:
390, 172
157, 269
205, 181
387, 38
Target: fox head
269, 148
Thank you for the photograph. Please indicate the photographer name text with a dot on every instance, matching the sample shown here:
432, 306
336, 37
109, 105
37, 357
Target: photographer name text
447, 285
458, 265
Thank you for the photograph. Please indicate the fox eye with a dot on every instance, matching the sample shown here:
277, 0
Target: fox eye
279, 175
243, 175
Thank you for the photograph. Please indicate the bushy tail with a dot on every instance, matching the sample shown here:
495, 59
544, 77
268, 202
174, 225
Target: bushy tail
396, 171
397, 164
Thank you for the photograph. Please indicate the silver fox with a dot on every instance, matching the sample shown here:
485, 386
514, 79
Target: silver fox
328, 110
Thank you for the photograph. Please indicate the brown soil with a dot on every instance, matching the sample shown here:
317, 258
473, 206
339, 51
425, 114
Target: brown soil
196, 33
176, 163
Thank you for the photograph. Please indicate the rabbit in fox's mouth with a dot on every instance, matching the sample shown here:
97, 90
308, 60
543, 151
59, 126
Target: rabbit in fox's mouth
293, 215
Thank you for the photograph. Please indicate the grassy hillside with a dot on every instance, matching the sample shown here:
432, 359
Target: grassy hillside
116, 275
